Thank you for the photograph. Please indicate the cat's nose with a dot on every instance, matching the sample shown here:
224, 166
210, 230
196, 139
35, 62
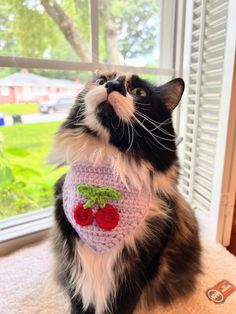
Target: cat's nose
115, 85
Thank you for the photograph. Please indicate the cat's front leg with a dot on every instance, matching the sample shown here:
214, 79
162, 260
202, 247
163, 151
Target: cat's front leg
126, 301
77, 307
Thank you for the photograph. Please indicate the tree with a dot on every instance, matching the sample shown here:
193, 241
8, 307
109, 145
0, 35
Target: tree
33, 33
110, 32
138, 23
68, 28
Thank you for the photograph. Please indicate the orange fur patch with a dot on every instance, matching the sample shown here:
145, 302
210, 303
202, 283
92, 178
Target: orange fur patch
123, 106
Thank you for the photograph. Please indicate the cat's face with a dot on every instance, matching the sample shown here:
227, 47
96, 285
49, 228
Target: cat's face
130, 114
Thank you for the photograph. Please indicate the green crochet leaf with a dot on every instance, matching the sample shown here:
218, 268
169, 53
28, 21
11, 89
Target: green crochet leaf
87, 190
98, 194
108, 192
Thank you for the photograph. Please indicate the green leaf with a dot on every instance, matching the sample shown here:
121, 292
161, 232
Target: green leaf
32, 172
20, 185
98, 194
3, 161
108, 192
6, 176
25, 172
87, 190
17, 151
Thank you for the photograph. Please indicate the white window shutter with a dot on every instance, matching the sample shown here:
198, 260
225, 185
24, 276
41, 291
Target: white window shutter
208, 68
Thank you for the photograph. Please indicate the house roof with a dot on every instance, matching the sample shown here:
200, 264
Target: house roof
30, 79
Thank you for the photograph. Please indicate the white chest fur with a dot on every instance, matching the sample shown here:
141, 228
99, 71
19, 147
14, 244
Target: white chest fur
93, 276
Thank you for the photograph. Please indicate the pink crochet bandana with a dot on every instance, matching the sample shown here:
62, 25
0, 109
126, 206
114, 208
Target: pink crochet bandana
99, 206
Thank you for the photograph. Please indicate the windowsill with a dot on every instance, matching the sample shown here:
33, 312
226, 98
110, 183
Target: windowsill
24, 229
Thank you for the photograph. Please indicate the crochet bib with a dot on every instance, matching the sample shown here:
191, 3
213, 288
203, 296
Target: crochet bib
99, 206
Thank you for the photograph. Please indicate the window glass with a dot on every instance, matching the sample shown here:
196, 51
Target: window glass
5, 90
34, 102
37, 103
129, 32
45, 29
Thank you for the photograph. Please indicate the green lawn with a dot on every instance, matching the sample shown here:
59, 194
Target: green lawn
37, 189
25, 108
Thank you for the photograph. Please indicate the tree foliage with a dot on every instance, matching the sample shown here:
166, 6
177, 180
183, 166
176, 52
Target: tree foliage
28, 31
138, 25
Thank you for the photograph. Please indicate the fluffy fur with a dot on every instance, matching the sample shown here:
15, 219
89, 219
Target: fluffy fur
126, 122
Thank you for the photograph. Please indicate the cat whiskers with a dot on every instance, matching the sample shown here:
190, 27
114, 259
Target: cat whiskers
157, 125
142, 103
81, 109
167, 121
132, 136
128, 133
145, 109
115, 127
155, 137
173, 139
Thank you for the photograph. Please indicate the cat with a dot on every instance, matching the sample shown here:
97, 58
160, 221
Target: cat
120, 129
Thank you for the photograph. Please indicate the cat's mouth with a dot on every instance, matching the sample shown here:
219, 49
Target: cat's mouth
103, 107
105, 103
122, 105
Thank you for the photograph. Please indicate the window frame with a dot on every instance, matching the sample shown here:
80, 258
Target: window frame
23, 229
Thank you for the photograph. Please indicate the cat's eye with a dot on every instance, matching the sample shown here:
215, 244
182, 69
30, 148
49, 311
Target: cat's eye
138, 91
101, 81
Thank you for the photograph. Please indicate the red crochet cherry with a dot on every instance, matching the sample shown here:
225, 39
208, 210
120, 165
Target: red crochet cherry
82, 216
107, 217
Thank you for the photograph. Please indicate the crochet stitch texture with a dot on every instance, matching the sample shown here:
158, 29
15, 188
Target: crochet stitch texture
132, 206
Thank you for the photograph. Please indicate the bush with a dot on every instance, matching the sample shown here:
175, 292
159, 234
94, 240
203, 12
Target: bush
21, 189
26, 181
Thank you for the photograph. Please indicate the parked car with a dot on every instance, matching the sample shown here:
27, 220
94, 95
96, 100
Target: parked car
60, 104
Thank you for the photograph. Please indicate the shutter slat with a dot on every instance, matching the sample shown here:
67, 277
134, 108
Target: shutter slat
216, 5
202, 190
199, 198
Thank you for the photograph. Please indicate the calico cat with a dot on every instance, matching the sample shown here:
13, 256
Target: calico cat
140, 247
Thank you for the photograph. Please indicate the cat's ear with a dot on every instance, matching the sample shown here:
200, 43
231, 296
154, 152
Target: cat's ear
171, 93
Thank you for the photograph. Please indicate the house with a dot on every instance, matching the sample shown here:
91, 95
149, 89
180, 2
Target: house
23, 86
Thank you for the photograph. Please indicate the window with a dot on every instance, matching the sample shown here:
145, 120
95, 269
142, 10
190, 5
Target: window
138, 36
5, 91
39, 91
46, 68
27, 94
